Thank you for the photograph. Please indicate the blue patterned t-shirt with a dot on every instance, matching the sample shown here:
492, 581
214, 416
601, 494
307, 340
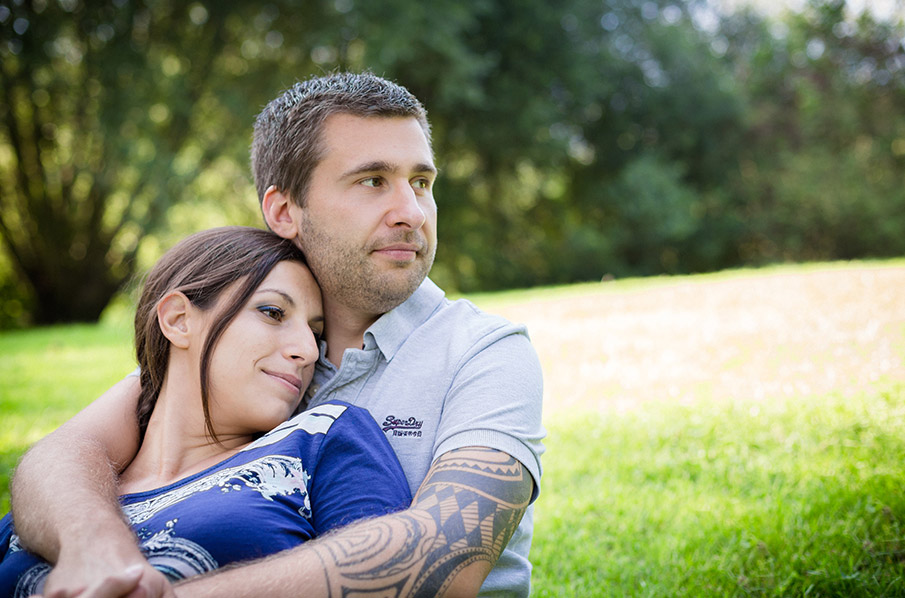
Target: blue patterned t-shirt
324, 468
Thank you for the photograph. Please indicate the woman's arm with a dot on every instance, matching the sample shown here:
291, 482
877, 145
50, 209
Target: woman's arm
64, 494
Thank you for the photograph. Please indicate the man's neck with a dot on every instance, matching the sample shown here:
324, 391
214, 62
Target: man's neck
345, 329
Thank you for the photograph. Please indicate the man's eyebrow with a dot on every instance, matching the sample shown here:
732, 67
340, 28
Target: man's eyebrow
426, 168
383, 166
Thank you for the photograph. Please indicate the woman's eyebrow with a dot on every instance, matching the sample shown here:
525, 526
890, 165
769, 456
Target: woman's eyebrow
282, 294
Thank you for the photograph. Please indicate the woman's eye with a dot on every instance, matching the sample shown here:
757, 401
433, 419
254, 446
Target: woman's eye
272, 312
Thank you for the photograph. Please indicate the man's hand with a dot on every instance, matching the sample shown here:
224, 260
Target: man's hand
137, 581
113, 570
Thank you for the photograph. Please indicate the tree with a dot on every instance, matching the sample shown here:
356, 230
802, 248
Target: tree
110, 111
820, 174
575, 138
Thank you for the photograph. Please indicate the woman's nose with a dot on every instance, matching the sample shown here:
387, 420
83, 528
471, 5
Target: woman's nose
302, 346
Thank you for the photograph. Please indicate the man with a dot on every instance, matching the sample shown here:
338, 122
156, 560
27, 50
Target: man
343, 164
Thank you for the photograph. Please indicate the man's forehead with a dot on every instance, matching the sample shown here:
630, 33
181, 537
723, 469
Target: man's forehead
352, 133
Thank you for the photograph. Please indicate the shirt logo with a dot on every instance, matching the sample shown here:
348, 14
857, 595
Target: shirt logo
403, 426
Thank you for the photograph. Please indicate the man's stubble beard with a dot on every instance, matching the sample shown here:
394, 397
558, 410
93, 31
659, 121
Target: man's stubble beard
349, 275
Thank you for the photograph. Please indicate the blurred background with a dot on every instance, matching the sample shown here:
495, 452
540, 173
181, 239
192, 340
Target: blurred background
577, 140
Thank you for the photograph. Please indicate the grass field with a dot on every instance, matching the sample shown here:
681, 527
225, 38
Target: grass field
736, 434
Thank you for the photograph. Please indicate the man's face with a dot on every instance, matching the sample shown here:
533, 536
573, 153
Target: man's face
369, 225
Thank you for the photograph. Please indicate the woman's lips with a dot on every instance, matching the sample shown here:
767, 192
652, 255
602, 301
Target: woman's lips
289, 379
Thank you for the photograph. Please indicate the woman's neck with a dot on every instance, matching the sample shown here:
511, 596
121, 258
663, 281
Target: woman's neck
176, 443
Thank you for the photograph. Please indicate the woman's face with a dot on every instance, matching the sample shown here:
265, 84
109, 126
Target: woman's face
265, 358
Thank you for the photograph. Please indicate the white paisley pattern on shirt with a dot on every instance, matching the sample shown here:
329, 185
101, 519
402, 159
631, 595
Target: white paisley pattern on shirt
272, 475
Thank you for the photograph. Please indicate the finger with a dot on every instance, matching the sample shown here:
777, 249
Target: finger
58, 593
116, 586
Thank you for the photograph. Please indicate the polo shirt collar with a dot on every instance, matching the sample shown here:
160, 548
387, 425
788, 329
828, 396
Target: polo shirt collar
395, 326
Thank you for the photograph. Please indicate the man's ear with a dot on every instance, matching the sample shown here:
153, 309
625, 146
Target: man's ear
174, 314
279, 213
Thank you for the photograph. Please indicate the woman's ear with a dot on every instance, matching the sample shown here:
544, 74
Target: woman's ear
279, 213
174, 314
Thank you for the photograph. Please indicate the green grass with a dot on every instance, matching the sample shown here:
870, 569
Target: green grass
47, 375
799, 496
759, 499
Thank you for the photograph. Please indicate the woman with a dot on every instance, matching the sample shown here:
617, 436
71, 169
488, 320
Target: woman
226, 335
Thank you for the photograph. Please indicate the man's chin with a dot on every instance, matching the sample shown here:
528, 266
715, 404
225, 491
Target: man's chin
404, 287
396, 287
377, 287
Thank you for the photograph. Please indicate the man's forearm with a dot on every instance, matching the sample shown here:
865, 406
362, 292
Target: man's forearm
444, 545
66, 483
50, 504
65, 499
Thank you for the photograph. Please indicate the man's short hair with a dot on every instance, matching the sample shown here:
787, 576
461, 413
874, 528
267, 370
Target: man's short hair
287, 142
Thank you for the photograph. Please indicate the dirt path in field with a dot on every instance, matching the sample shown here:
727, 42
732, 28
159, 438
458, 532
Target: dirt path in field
755, 336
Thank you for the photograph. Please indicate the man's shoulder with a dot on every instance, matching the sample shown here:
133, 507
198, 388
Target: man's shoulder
470, 313
459, 332
466, 316
429, 319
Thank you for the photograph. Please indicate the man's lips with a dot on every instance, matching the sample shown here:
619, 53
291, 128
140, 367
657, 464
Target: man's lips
290, 380
399, 251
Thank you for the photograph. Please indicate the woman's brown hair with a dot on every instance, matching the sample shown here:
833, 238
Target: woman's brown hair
201, 267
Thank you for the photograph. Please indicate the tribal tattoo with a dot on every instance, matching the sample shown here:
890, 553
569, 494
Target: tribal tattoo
465, 512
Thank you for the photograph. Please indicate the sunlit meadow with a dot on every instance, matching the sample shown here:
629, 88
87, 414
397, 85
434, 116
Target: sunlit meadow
736, 434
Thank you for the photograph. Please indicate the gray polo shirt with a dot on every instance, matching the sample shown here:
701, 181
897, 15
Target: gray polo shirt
438, 375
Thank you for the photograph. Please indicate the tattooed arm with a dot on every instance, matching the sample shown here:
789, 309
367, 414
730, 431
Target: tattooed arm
445, 544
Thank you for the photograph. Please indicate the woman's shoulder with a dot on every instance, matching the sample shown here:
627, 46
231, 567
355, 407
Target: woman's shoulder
320, 420
328, 412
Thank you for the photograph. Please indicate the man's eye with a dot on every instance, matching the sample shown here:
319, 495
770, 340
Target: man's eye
272, 312
372, 182
421, 184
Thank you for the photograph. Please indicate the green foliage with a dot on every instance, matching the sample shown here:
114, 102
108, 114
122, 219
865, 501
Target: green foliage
13, 297
819, 177
654, 209
826, 204
112, 113
575, 139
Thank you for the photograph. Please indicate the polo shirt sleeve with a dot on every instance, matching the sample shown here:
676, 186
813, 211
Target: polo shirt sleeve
357, 474
495, 400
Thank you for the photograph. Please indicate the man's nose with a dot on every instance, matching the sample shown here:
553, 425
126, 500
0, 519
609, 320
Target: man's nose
405, 209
